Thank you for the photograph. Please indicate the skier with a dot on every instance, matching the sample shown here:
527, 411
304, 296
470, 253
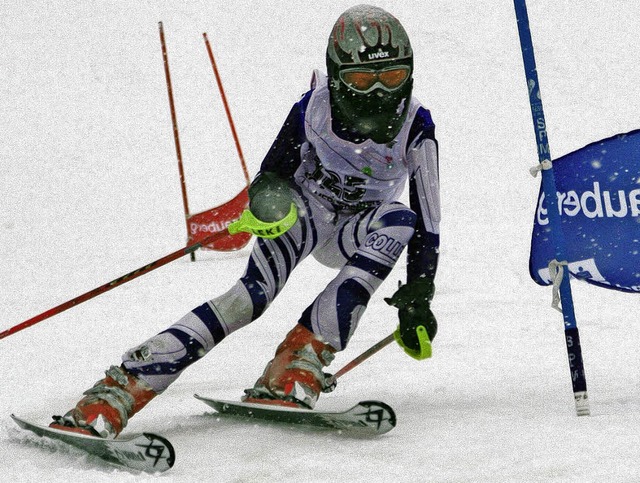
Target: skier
328, 187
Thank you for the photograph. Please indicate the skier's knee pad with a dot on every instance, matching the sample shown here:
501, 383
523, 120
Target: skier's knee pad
389, 231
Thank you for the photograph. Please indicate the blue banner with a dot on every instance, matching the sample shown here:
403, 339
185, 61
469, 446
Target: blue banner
598, 192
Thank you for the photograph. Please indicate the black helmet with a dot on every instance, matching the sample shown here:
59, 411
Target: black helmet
370, 67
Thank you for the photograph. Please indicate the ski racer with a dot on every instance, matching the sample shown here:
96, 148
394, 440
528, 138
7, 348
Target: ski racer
328, 187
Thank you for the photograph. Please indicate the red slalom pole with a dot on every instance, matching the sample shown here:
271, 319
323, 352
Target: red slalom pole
176, 135
227, 110
114, 283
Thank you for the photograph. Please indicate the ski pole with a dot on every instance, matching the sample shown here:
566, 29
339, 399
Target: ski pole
176, 134
572, 337
114, 283
331, 380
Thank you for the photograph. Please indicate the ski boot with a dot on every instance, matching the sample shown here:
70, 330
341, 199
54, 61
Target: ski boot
294, 377
107, 406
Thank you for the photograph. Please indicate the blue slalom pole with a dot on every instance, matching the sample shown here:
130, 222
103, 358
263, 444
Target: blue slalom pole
572, 337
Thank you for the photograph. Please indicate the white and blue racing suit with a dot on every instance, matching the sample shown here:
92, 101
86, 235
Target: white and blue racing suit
349, 219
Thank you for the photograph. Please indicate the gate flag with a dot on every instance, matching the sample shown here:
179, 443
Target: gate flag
598, 190
203, 224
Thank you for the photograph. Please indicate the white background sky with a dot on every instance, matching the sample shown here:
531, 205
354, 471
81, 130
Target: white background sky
90, 191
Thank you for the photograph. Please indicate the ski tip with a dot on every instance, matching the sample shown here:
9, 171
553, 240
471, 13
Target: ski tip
19, 421
380, 414
156, 447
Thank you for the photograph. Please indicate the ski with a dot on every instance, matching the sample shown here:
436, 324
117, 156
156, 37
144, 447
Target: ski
366, 417
146, 452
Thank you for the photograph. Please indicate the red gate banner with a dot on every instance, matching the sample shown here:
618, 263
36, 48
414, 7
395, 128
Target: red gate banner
216, 219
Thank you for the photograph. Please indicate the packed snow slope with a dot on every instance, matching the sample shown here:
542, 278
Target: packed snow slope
90, 191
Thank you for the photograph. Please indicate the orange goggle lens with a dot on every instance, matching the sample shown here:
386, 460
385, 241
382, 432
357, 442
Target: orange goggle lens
363, 79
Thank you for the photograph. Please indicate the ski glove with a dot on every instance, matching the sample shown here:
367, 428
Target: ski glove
418, 325
271, 209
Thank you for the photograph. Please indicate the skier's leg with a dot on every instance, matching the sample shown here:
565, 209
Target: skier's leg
367, 247
160, 360
148, 369
370, 246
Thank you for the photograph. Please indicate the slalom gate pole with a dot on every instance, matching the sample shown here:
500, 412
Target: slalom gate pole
176, 135
572, 336
361, 358
114, 283
227, 110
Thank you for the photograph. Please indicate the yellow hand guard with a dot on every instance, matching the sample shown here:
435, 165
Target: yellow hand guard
425, 344
250, 224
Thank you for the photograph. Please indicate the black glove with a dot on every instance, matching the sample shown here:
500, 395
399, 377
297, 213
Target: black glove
418, 325
269, 197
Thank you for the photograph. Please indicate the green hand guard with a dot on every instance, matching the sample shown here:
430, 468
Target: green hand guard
250, 224
425, 344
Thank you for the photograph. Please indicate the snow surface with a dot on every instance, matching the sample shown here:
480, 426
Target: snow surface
90, 191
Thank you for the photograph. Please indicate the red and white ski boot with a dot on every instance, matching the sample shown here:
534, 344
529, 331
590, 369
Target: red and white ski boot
107, 406
294, 377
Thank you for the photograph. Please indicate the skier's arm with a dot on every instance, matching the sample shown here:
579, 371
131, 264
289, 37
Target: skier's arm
283, 158
271, 208
424, 199
418, 325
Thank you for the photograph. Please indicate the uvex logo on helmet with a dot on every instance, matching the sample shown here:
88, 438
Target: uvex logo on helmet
378, 55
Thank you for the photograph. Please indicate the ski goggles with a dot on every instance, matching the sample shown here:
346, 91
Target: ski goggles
366, 80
